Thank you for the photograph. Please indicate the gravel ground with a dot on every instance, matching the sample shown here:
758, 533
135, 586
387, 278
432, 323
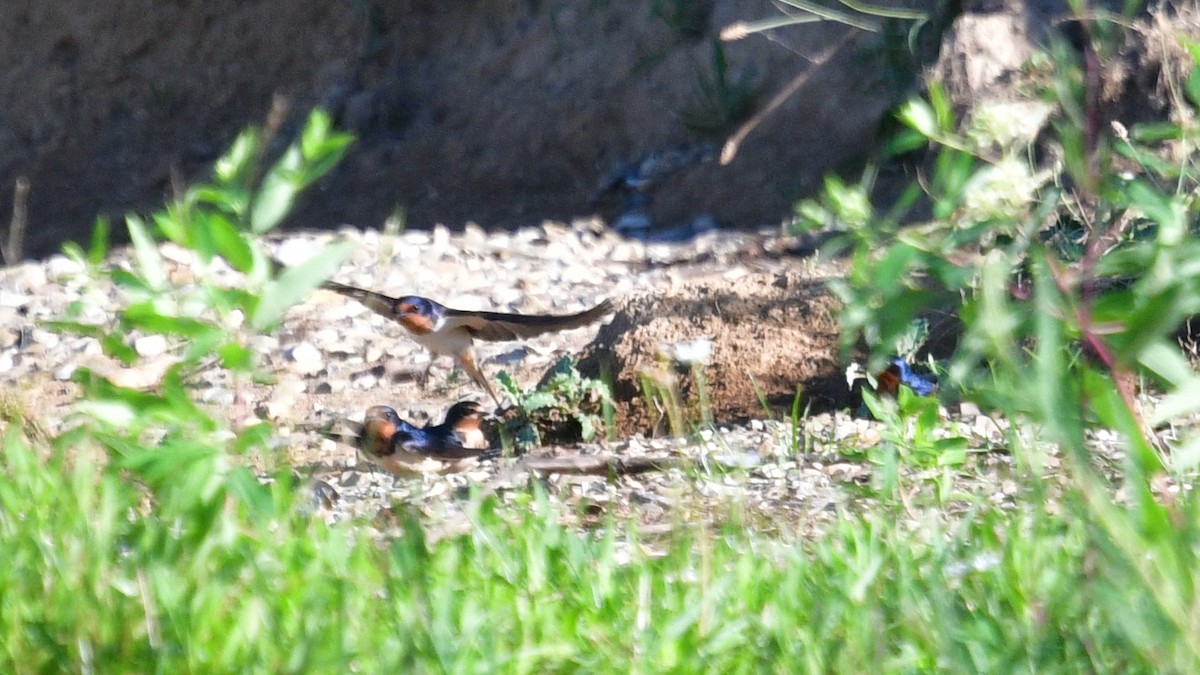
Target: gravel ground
334, 358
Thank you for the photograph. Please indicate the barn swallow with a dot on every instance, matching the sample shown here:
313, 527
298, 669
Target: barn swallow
887, 382
402, 448
452, 332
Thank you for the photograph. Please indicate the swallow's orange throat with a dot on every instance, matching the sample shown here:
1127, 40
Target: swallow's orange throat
417, 324
378, 437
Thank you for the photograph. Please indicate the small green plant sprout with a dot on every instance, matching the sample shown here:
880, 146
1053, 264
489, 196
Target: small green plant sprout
1071, 277
171, 328
913, 425
564, 407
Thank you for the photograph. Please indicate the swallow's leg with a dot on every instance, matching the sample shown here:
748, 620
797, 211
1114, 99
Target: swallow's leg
423, 377
467, 362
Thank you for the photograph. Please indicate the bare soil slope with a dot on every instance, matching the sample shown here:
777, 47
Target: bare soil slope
503, 113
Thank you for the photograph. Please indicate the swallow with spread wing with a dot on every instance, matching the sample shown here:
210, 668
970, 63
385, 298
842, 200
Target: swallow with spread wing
402, 448
452, 332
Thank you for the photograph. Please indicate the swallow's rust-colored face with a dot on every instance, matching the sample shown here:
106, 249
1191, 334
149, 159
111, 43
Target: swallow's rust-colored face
887, 382
416, 314
379, 429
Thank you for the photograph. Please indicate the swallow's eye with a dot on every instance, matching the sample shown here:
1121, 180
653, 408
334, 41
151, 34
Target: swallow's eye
412, 306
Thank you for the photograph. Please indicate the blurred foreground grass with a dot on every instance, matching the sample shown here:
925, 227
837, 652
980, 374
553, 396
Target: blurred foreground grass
93, 581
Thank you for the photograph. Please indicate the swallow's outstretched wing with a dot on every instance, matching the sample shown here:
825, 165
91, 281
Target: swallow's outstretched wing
377, 302
498, 326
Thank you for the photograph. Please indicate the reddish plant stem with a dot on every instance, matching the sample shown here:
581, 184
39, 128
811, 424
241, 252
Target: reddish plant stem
1099, 233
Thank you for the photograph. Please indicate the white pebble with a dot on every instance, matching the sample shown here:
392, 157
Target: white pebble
10, 299
150, 345
45, 337
308, 359
59, 266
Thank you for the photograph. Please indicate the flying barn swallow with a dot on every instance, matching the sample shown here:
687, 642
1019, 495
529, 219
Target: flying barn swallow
402, 448
452, 332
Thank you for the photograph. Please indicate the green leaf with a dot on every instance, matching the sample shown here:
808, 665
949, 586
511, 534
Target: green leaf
98, 250
277, 193
115, 347
149, 258
296, 283
951, 451
81, 329
508, 383
587, 429
919, 115
173, 224
539, 400
322, 147
232, 199
255, 436
1165, 361
316, 131
1106, 401
1155, 132
1187, 456
233, 167
246, 488
1054, 394
236, 357
1170, 215
939, 100
905, 142
229, 242
1185, 400
146, 317
1192, 86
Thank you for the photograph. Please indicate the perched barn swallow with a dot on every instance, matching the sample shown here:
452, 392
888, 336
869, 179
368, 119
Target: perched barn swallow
403, 448
887, 383
452, 332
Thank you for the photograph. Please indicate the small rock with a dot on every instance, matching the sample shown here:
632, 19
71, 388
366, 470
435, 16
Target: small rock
150, 345
307, 358
415, 238
441, 238
364, 381
10, 299
221, 396
507, 297
235, 319
45, 337
64, 372
59, 266
374, 352
473, 235
295, 250
986, 428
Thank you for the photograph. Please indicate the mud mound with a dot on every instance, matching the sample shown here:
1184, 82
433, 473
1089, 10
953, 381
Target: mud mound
771, 335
